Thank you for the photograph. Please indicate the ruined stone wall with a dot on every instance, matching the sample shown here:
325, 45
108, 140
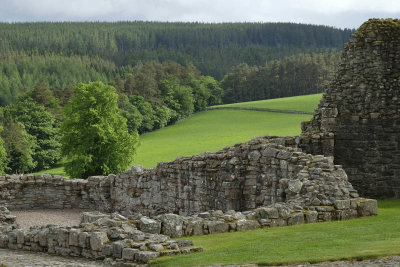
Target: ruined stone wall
43, 191
361, 109
261, 172
242, 177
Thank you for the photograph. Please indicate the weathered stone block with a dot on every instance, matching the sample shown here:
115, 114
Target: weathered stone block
268, 213
145, 256
171, 225
245, 225
311, 216
97, 240
296, 218
84, 240
73, 237
342, 204
129, 254
215, 227
149, 225
367, 207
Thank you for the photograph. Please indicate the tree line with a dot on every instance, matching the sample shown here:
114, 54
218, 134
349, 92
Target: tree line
296, 75
149, 96
213, 48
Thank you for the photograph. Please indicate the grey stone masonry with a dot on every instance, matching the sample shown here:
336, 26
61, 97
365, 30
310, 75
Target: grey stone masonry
264, 171
358, 119
112, 238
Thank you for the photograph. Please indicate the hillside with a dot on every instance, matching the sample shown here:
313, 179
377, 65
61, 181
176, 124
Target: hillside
61, 55
214, 129
213, 48
305, 103
211, 131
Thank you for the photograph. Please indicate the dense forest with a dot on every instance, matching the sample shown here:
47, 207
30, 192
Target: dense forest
162, 72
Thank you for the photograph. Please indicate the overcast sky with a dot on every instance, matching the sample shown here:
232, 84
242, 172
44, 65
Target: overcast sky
338, 13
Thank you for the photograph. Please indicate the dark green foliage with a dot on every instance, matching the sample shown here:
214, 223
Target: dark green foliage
146, 110
64, 54
21, 71
19, 145
96, 139
297, 75
130, 112
41, 125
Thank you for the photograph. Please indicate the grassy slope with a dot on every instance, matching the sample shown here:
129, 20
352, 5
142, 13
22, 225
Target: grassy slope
305, 103
354, 239
211, 131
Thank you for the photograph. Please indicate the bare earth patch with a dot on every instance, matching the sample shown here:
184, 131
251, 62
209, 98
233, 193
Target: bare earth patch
29, 218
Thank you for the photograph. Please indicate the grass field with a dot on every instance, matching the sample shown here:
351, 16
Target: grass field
306, 103
214, 129
362, 238
211, 131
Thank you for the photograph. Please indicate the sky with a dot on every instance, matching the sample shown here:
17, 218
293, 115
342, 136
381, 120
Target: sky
337, 13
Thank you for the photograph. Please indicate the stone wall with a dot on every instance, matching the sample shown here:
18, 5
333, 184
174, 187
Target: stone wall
99, 236
361, 109
261, 172
19, 192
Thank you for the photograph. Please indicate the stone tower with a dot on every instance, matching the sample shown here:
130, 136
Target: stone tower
358, 118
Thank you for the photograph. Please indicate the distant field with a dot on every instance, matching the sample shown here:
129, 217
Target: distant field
354, 239
306, 103
211, 131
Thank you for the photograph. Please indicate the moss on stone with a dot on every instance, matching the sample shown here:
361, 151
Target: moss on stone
385, 28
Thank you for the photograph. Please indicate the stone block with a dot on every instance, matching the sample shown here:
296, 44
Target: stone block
84, 240
342, 204
194, 227
156, 247
296, 218
90, 217
172, 225
311, 216
73, 237
97, 240
268, 213
294, 186
145, 256
129, 254
149, 225
215, 227
367, 207
20, 236
107, 250
118, 247
245, 225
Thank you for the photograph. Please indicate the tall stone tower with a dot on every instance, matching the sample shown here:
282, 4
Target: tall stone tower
358, 119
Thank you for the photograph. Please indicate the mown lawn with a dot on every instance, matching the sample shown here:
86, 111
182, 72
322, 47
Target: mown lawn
211, 131
306, 103
353, 239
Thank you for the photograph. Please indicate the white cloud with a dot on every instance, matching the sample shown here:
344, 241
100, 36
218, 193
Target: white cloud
340, 13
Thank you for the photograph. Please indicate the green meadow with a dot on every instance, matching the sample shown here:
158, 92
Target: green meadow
305, 103
212, 130
356, 239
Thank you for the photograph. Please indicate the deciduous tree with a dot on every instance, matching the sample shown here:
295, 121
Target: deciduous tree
96, 139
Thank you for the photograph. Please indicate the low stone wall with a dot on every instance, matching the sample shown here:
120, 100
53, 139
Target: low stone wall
99, 236
139, 238
20, 192
261, 172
